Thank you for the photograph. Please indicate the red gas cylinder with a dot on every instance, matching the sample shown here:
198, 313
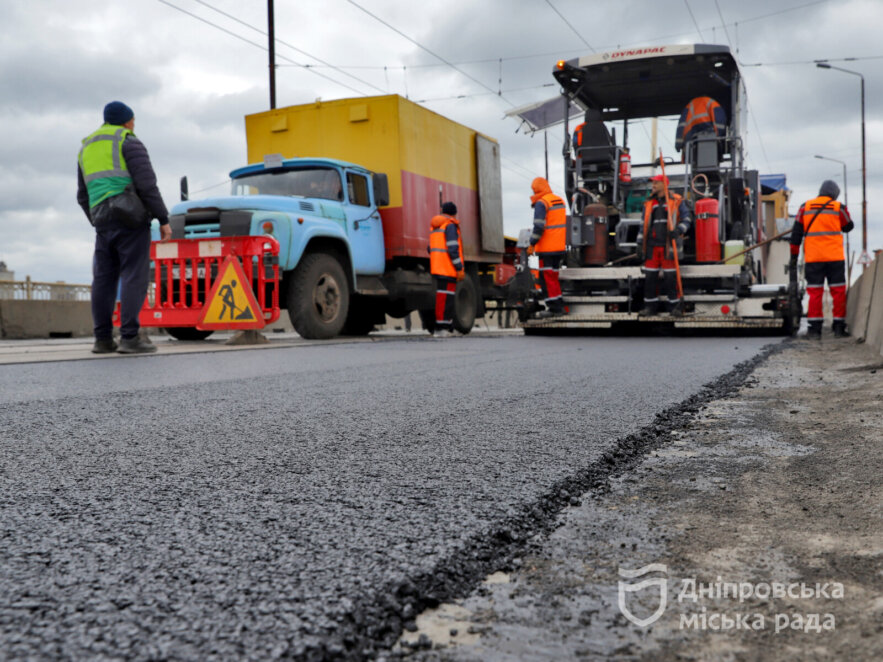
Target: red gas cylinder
596, 216
708, 245
625, 168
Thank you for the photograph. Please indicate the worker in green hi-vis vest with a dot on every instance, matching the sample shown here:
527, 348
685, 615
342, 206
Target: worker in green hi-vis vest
118, 193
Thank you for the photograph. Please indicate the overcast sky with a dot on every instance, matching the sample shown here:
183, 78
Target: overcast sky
191, 82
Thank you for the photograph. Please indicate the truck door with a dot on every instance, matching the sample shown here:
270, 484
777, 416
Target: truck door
364, 226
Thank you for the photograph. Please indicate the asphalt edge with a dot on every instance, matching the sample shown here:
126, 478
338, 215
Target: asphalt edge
369, 630
188, 347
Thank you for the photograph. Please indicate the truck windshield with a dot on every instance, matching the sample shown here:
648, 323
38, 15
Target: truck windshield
307, 182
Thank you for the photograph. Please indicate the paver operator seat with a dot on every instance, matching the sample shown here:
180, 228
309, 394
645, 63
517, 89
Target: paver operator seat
596, 148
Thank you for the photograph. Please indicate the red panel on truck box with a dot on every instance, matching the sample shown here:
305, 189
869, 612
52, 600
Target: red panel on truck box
406, 228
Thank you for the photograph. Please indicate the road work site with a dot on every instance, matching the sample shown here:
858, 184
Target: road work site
644, 449
292, 516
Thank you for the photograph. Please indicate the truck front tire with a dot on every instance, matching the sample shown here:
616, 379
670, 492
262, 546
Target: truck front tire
318, 297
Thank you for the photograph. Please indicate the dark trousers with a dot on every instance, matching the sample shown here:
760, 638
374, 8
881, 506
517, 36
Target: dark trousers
816, 275
550, 263
444, 302
121, 261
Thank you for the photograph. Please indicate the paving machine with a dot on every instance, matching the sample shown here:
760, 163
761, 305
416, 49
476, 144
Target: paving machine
726, 282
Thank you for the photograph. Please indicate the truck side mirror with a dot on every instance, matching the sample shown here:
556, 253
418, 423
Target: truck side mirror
381, 189
185, 194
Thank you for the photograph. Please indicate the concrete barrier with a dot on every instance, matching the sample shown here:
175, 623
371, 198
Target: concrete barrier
874, 333
858, 303
45, 319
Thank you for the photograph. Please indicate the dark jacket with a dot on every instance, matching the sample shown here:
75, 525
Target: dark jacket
143, 177
659, 235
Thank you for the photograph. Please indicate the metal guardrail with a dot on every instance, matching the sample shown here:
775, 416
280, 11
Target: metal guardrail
28, 290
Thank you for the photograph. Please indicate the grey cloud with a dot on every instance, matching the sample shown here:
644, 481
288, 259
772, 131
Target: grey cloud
55, 79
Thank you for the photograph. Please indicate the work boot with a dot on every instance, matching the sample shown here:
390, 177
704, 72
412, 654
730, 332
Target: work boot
557, 309
814, 332
649, 309
839, 328
104, 346
677, 309
136, 345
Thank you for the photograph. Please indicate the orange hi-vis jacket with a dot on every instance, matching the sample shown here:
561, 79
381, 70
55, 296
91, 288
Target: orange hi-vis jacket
445, 246
824, 241
700, 111
554, 237
578, 135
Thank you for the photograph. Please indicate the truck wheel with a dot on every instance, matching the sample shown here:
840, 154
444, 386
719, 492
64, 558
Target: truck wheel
359, 319
319, 297
187, 333
465, 305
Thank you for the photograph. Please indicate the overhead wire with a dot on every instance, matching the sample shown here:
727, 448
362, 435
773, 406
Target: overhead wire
831, 59
424, 48
747, 100
456, 65
284, 43
686, 2
723, 24
527, 174
214, 25
568, 24
261, 46
760, 17
209, 188
484, 94
445, 63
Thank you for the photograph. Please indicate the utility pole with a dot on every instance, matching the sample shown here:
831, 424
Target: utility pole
654, 126
271, 31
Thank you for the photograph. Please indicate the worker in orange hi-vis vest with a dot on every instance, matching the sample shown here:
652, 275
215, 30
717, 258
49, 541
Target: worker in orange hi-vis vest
820, 225
701, 115
446, 265
654, 246
548, 240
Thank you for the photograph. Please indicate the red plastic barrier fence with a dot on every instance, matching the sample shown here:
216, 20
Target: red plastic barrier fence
185, 270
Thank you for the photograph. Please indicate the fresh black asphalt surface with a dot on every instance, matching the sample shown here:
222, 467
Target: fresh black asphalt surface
295, 502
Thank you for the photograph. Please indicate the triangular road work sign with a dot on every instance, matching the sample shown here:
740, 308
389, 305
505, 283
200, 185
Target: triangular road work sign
231, 303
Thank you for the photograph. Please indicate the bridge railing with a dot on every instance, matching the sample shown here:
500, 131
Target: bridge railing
29, 290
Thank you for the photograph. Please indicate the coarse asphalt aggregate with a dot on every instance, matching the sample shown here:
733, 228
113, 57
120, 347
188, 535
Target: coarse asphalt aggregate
294, 503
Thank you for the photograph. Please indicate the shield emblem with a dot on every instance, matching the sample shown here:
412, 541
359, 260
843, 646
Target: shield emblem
633, 587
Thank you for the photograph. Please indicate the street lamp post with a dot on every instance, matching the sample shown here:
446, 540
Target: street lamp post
843, 163
865, 258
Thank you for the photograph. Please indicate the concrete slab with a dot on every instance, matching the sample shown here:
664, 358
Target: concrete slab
45, 319
874, 334
858, 302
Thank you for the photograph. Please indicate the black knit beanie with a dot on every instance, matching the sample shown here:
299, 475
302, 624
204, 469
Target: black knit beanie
117, 113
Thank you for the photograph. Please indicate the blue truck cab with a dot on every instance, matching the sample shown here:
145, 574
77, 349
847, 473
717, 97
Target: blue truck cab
324, 214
